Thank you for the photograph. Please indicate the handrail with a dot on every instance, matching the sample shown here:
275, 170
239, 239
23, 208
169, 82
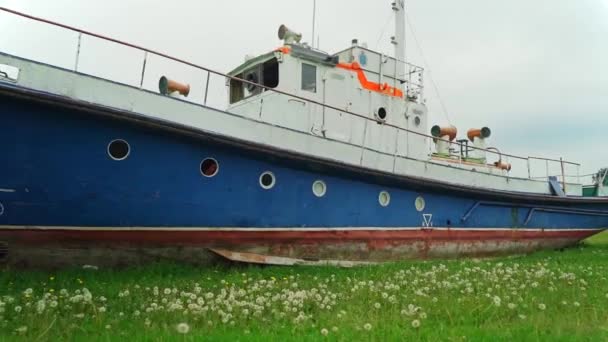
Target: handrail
211, 71
555, 160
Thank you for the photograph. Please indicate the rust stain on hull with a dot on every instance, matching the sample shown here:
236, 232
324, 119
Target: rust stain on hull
340, 248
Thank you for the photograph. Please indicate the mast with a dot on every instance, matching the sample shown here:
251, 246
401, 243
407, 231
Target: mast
314, 21
399, 37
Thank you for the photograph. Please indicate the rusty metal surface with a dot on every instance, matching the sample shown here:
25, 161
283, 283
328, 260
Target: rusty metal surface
338, 248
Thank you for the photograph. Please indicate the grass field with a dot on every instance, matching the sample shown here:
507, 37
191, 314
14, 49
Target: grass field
559, 296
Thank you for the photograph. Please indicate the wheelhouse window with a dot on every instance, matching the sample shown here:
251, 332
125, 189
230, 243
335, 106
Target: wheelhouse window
266, 74
270, 73
309, 77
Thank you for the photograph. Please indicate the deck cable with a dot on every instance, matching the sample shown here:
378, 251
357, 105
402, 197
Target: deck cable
428, 69
388, 21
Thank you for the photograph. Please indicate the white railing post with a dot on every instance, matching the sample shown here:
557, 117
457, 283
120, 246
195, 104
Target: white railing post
362, 141
78, 52
396, 150
561, 160
143, 70
207, 88
460, 147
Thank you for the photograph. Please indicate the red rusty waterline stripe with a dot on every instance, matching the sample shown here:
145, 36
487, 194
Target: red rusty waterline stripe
205, 238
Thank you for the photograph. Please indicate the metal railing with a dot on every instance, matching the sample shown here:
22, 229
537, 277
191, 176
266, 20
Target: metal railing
550, 166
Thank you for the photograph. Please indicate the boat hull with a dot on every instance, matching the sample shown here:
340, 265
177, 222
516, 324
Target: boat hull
55, 247
60, 187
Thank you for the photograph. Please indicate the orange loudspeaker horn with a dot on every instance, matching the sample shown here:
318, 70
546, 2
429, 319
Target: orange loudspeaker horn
502, 165
483, 133
167, 86
439, 132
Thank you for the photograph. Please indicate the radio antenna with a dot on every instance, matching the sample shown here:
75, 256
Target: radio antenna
314, 20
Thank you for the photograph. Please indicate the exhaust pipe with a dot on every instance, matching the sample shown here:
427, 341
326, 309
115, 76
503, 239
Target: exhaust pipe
169, 87
445, 133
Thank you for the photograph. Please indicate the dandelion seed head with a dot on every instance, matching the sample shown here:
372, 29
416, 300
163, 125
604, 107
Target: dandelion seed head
40, 306
183, 328
415, 324
497, 301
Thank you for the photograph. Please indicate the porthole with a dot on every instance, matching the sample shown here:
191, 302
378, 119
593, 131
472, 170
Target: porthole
382, 113
1, 209
119, 149
209, 167
420, 203
384, 198
417, 121
319, 188
267, 180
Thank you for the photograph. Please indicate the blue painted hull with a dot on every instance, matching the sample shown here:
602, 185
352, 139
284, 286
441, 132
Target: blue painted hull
56, 172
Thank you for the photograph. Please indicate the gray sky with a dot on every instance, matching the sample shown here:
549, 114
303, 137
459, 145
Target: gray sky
536, 72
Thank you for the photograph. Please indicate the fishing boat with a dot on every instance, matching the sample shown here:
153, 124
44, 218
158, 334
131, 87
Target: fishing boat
598, 186
316, 158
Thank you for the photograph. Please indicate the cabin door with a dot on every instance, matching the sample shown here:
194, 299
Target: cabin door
336, 123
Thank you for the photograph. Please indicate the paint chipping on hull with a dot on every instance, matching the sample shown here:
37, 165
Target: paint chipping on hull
339, 248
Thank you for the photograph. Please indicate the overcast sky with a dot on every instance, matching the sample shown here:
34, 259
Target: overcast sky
536, 72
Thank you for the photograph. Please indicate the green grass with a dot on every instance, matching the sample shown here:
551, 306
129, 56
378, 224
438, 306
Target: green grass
559, 296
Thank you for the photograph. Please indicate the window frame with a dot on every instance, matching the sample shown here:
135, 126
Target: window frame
306, 86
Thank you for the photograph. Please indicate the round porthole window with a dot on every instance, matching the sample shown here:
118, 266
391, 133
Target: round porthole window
384, 198
420, 203
210, 167
1, 209
267, 180
417, 121
381, 114
119, 149
319, 188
